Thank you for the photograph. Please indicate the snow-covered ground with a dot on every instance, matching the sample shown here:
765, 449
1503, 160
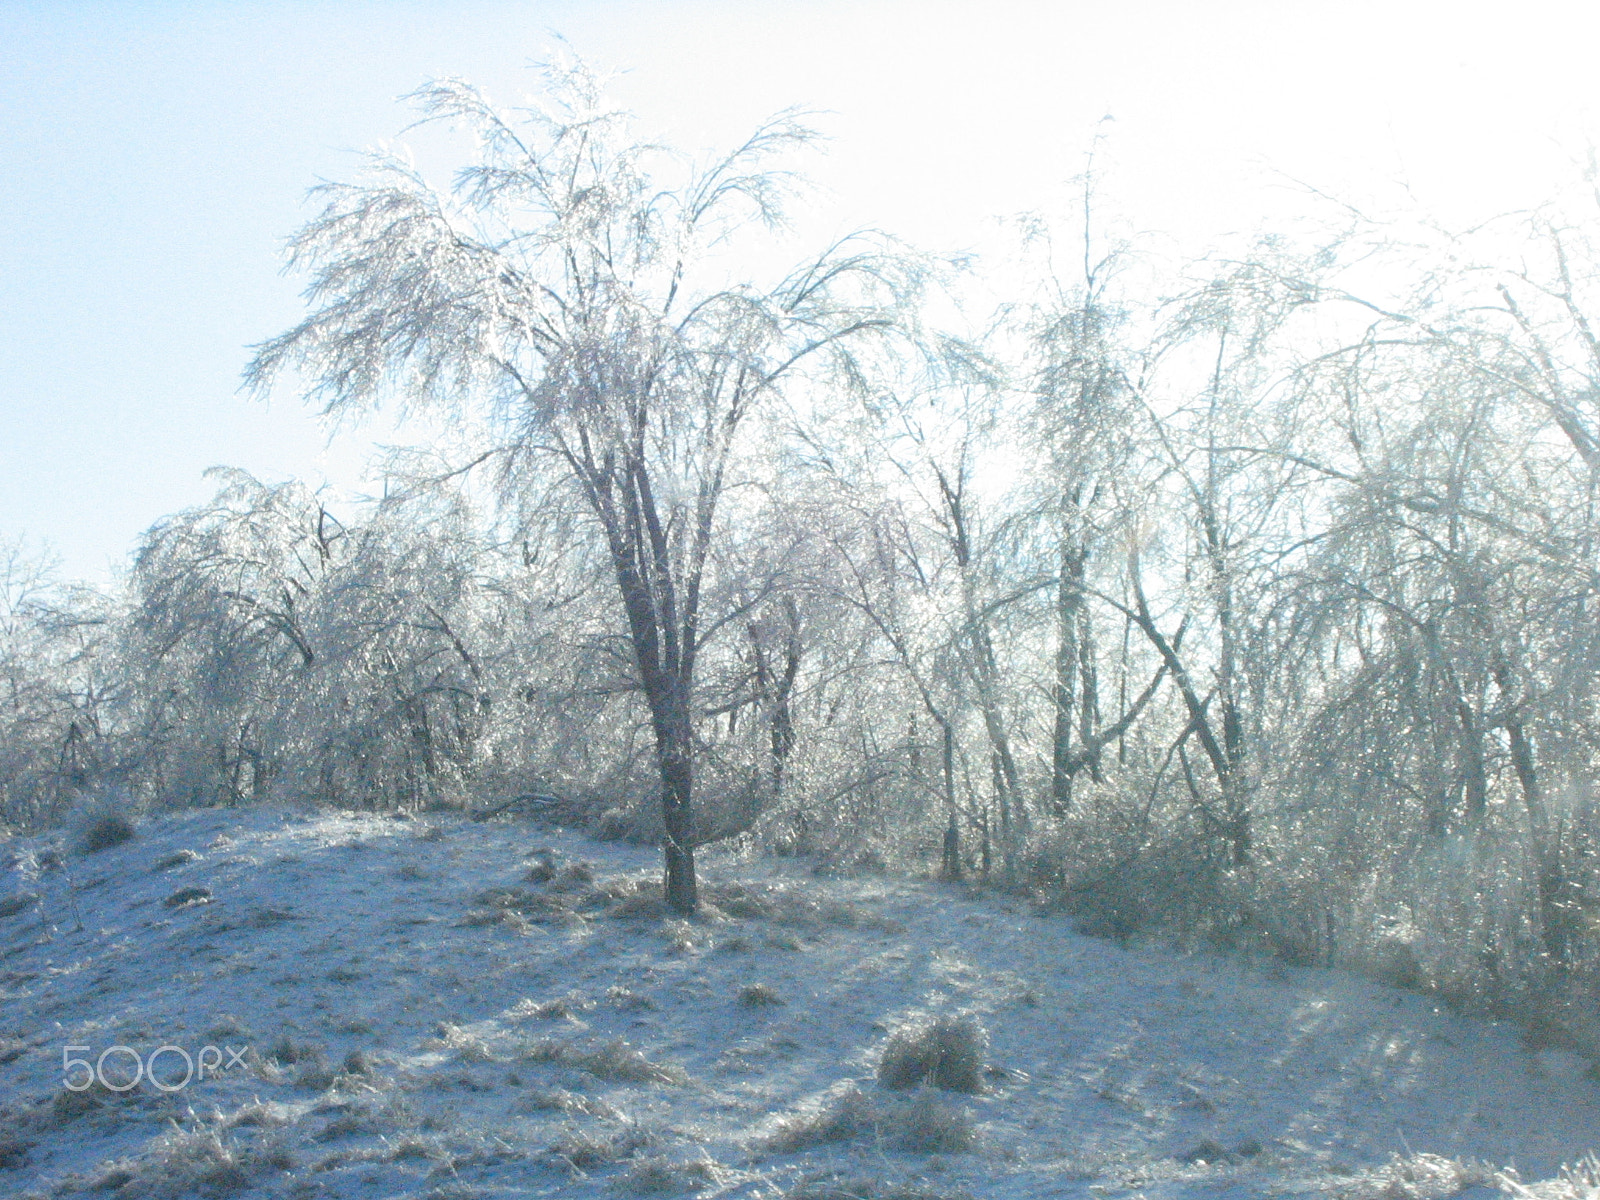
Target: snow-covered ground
427, 1007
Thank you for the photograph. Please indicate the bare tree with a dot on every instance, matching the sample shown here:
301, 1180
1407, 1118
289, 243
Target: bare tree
568, 287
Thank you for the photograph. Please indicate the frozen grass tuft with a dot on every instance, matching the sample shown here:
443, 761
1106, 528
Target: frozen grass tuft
614, 1061
830, 1185
103, 830
947, 1051
463, 1046
1419, 1177
661, 1176
1580, 1181
176, 859
259, 1115
579, 1151
628, 1000
925, 1123
561, 1100
199, 1162
759, 995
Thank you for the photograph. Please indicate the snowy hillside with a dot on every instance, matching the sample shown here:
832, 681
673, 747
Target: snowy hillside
432, 1007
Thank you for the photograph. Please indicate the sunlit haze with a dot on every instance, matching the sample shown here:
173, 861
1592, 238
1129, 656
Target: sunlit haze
157, 155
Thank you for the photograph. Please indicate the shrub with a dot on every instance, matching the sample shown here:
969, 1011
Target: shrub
104, 830
947, 1051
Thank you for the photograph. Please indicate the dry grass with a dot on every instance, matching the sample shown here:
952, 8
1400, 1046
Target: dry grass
560, 1008
921, 1124
196, 1162
14, 1151
830, 1185
561, 1100
629, 1000
69, 1105
287, 1052
259, 1115
463, 1046
579, 1151
1580, 1181
661, 1176
947, 1051
184, 897
614, 1061
1419, 1177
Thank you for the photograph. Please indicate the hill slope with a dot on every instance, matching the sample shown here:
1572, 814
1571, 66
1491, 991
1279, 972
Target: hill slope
426, 1007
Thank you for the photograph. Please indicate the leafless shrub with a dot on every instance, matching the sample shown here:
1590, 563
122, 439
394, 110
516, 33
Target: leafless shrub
947, 1051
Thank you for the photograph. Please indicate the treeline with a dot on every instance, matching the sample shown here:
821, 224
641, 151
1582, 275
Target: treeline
1252, 600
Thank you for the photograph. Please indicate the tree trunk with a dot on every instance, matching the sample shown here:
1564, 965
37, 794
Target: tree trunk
1069, 604
677, 811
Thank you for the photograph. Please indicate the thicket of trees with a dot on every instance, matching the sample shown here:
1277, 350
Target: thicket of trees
1253, 600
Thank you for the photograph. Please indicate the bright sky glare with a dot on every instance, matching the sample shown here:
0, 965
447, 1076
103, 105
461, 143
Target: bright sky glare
156, 155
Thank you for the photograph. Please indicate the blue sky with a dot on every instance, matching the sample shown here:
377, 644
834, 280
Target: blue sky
157, 154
